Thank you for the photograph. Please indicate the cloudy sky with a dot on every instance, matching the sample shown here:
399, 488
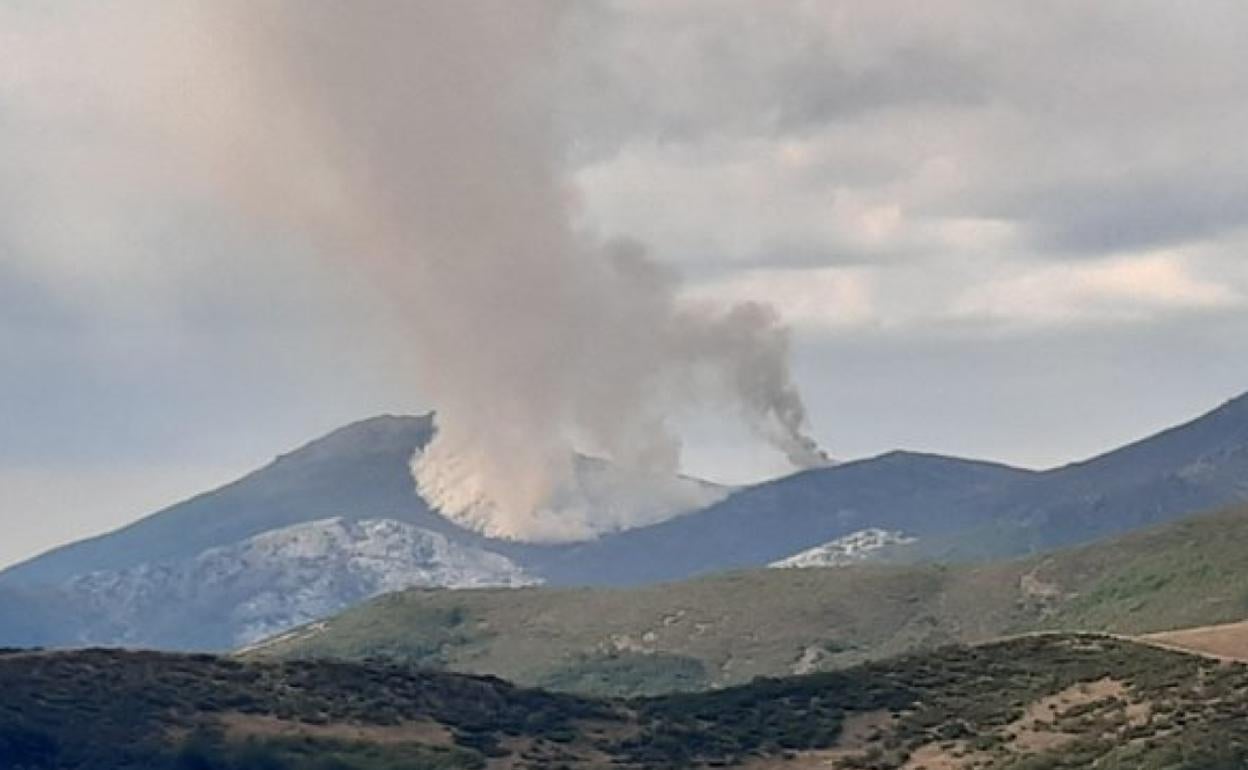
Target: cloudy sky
999, 229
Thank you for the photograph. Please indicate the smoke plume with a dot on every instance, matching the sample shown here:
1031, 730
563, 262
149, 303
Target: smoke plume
419, 140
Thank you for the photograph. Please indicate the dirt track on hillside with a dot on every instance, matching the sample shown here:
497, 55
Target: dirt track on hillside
1228, 641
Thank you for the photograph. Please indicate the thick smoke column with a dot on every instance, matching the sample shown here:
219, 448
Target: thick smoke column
418, 139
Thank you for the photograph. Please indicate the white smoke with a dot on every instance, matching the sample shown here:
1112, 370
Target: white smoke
419, 141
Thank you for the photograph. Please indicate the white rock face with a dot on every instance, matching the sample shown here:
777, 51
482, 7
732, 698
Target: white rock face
849, 549
286, 577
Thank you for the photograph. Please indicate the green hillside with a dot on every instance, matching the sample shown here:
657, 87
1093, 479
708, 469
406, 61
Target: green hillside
731, 628
1049, 701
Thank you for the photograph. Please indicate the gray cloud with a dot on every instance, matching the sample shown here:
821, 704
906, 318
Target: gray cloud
927, 193
1132, 212
1090, 130
688, 71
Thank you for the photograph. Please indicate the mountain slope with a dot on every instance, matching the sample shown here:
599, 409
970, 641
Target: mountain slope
38, 617
917, 494
232, 595
959, 510
1040, 702
241, 562
730, 628
359, 471
1198, 466
948, 509
193, 577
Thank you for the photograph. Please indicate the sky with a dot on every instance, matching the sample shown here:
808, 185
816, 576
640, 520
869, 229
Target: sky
1006, 230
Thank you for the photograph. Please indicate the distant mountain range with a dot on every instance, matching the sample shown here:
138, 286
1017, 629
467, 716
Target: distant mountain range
218, 570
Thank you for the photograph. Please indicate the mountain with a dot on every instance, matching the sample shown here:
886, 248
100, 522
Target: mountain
37, 617
130, 586
956, 510
325, 526
236, 594
727, 629
1055, 701
919, 495
1198, 466
359, 472
212, 573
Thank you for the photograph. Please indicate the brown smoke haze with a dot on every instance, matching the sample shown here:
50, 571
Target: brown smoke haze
418, 141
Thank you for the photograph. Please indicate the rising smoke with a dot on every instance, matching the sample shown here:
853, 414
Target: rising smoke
419, 141
436, 123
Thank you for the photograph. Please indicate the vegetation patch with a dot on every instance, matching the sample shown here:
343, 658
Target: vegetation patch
629, 674
1044, 702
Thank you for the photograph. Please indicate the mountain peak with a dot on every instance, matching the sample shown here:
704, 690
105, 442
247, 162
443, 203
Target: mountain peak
383, 434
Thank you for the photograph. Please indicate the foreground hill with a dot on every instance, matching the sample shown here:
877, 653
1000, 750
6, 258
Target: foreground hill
730, 628
1039, 702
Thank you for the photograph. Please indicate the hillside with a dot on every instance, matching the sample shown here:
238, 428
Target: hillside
358, 471
221, 569
236, 594
322, 528
1038, 702
924, 496
1198, 466
730, 628
959, 510
33, 617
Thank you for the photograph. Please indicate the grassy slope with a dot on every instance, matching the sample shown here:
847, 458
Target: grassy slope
1192, 572
730, 628
1055, 701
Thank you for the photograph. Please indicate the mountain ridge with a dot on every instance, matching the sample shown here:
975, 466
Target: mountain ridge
946, 509
165, 534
